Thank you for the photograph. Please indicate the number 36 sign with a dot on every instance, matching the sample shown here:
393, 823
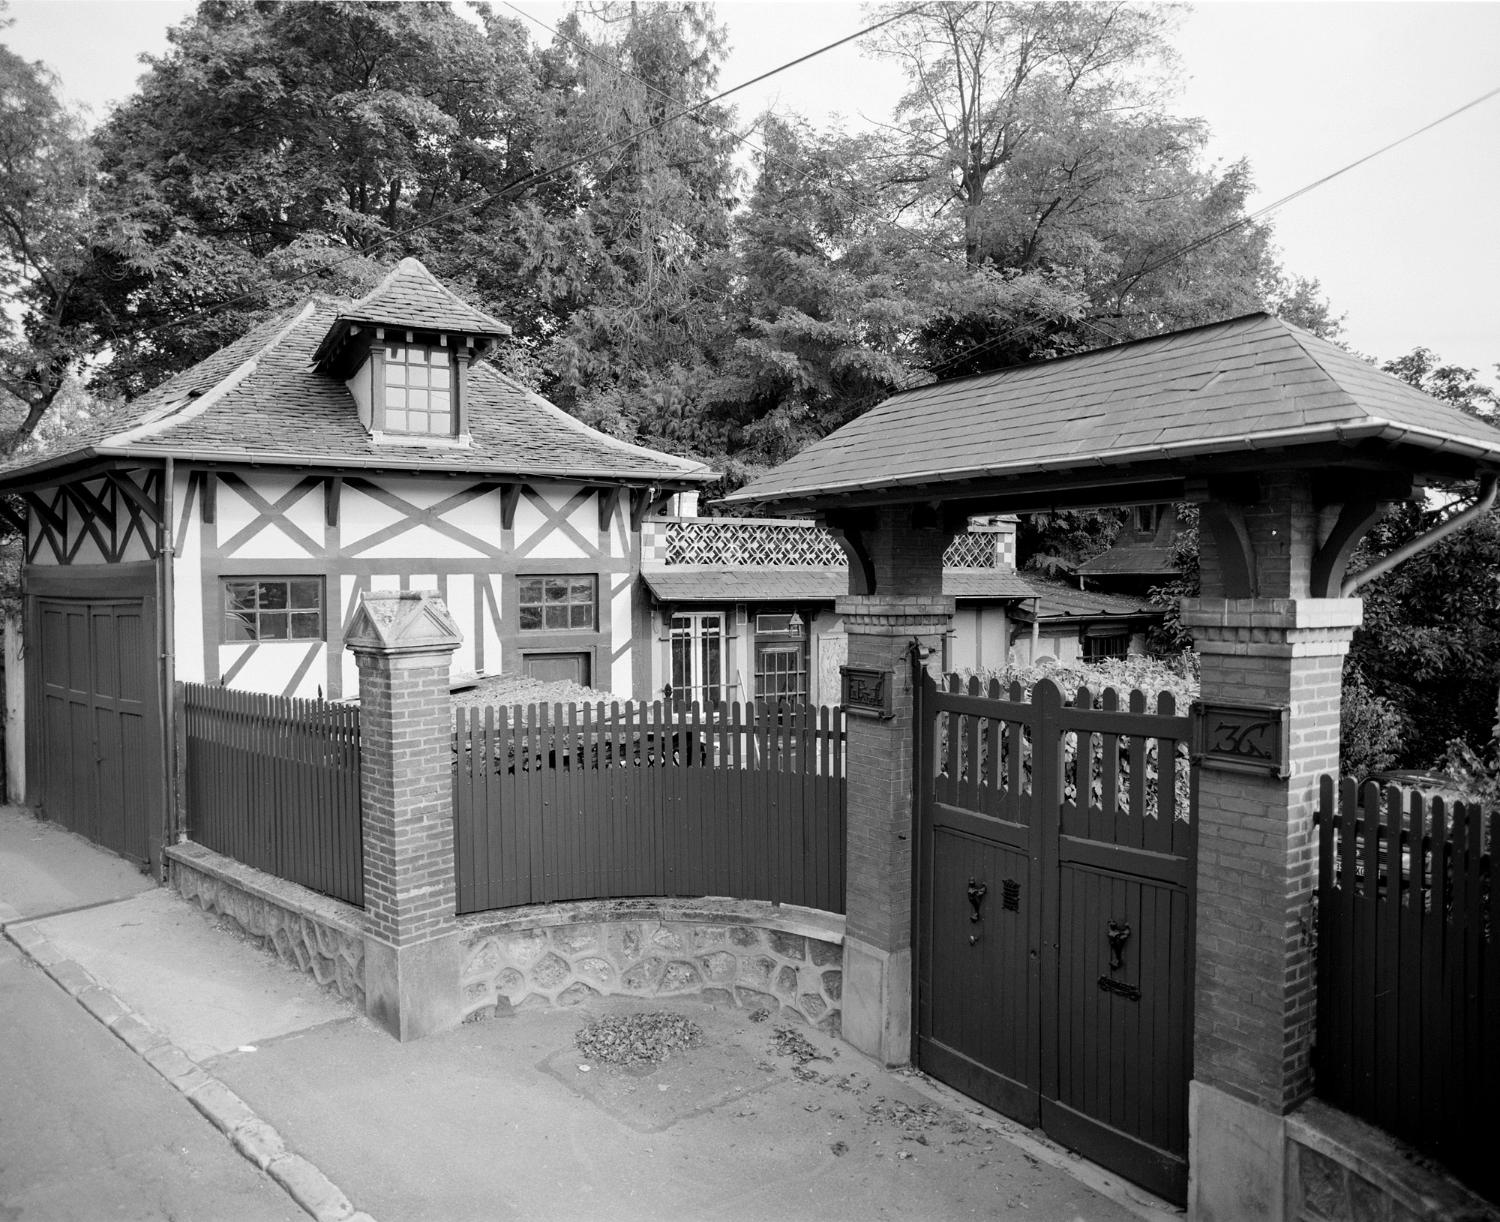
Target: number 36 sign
1242, 738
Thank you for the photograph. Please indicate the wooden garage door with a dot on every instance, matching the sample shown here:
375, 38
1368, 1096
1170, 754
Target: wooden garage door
97, 753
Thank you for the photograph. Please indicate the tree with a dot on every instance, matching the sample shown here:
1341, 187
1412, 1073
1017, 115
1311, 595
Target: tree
45, 186
635, 272
281, 147
1430, 642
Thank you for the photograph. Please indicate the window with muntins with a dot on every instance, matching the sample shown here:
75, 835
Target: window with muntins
780, 657
698, 657
1113, 645
417, 391
568, 602
273, 609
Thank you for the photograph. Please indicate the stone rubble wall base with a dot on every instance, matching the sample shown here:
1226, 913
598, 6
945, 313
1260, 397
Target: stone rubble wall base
735, 952
1317, 1164
1340, 1169
316, 934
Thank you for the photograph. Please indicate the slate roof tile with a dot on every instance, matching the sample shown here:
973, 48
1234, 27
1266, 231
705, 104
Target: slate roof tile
1209, 390
261, 400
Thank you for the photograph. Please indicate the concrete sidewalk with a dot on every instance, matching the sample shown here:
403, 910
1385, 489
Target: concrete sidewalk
507, 1118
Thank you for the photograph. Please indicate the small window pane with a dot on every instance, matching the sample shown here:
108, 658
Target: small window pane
557, 591
307, 594
273, 595
239, 626
583, 616
440, 423
531, 617
557, 616
273, 626
305, 625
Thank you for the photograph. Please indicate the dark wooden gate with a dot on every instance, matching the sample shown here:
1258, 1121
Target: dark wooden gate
97, 743
1055, 888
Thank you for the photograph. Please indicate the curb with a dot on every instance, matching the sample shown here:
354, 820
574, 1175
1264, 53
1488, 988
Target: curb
255, 1140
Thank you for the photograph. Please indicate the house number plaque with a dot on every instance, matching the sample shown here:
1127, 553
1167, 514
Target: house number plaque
866, 693
1242, 738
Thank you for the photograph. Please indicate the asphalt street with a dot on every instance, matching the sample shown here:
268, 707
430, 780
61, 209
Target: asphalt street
90, 1131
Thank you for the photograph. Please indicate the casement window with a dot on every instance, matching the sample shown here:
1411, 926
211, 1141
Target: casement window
780, 656
1102, 643
697, 639
418, 392
568, 602
273, 609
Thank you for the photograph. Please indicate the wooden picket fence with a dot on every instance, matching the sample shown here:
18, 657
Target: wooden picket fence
1408, 1033
273, 782
597, 802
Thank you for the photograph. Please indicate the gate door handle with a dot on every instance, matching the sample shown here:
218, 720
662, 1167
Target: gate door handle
977, 892
1118, 933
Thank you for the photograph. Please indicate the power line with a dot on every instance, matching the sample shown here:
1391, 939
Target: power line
1233, 226
538, 176
559, 36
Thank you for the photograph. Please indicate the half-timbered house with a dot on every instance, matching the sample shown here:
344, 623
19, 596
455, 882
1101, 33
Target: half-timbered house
221, 529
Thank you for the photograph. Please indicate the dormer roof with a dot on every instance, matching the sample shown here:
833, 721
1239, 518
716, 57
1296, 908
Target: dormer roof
410, 298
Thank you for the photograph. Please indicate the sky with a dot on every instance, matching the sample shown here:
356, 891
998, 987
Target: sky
1407, 246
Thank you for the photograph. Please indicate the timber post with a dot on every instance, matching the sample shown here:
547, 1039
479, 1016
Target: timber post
403, 642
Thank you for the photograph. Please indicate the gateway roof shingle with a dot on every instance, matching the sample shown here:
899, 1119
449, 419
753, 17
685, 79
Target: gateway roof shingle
1249, 383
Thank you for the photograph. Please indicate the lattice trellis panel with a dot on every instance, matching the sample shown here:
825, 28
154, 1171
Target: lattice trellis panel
739, 543
751, 544
971, 551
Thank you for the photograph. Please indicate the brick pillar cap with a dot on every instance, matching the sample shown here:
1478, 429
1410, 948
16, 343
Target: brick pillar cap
924, 605
402, 621
1285, 613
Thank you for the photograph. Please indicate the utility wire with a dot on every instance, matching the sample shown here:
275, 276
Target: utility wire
583, 49
538, 176
1232, 227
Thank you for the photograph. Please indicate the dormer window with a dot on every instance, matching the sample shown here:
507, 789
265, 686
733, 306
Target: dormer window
418, 387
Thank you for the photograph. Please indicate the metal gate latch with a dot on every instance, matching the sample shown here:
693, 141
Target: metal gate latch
1118, 933
977, 892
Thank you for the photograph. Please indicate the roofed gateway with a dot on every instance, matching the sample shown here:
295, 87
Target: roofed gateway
1131, 424
1148, 986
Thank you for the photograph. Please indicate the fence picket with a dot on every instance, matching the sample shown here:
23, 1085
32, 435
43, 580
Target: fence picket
1407, 967
273, 782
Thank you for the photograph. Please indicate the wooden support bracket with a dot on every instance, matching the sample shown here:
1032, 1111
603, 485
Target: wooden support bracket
510, 497
609, 500
1332, 558
1225, 522
851, 532
333, 488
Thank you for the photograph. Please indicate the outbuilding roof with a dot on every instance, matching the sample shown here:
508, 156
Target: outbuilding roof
695, 583
1132, 421
1062, 602
261, 400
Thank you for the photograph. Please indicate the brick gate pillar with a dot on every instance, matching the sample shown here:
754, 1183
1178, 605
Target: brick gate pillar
896, 607
402, 643
1268, 634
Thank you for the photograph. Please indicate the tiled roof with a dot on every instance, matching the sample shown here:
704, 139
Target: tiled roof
411, 296
1064, 602
260, 400
1143, 560
692, 583
1233, 387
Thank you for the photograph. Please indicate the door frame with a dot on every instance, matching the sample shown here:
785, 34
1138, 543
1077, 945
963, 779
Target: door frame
86, 583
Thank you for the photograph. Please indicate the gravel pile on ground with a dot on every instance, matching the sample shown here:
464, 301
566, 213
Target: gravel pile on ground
501, 690
635, 1041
